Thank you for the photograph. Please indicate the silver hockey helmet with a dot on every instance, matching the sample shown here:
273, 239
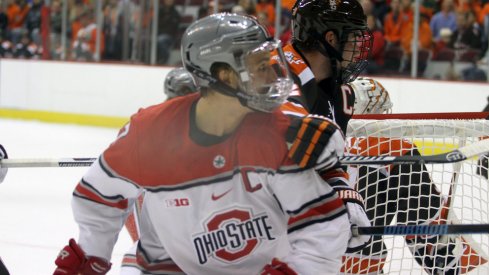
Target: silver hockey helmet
179, 82
242, 44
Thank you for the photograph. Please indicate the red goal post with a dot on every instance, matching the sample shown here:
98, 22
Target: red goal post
466, 191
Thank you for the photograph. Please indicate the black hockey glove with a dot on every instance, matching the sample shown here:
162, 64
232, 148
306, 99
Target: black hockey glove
315, 142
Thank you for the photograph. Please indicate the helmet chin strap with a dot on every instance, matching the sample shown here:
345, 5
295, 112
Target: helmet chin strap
220, 86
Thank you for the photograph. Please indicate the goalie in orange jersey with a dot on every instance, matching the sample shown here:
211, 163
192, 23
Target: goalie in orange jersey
403, 192
330, 47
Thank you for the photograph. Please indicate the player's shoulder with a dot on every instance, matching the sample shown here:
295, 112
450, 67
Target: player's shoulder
170, 111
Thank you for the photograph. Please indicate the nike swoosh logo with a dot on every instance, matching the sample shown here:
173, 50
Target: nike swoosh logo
215, 198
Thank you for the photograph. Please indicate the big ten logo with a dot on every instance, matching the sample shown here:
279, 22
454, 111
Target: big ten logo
177, 202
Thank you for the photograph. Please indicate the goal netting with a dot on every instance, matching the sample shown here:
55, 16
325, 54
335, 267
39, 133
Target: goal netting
421, 194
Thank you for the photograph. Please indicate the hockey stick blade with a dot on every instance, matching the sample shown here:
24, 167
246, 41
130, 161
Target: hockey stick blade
441, 229
460, 154
62, 162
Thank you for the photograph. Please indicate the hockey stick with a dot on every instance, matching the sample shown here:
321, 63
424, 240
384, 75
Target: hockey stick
460, 154
440, 229
457, 155
62, 162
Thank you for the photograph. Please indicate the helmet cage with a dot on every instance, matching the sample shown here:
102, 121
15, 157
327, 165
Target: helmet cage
356, 47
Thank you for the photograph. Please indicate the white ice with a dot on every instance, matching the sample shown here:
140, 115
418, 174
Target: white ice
36, 221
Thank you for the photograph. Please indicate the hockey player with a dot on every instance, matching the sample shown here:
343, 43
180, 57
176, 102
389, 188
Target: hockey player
178, 82
330, 47
321, 58
3, 173
222, 197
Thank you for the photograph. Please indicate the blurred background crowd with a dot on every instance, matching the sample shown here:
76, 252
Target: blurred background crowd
449, 32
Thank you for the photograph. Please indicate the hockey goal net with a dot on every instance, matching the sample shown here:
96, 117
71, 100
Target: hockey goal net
417, 195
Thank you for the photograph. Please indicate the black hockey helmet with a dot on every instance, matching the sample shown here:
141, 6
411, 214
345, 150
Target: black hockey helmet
313, 18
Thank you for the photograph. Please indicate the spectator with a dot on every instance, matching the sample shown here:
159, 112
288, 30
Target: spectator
485, 36
368, 9
248, 6
381, 9
26, 48
16, 11
483, 13
443, 42
474, 6
407, 9
6, 47
112, 29
84, 47
3, 21
33, 21
424, 36
428, 7
395, 24
168, 21
376, 61
262, 18
467, 35
445, 18
267, 7
55, 29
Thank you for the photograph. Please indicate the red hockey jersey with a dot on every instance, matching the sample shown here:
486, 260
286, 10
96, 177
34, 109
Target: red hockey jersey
213, 205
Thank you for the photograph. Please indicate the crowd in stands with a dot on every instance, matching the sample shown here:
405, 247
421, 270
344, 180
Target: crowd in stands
449, 30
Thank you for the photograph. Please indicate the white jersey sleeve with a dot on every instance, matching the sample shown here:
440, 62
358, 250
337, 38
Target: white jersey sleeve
112, 198
318, 226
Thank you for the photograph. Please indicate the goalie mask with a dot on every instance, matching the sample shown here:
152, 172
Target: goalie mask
241, 44
312, 19
370, 97
179, 82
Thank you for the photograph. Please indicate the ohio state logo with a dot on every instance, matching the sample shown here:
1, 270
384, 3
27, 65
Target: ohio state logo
231, 235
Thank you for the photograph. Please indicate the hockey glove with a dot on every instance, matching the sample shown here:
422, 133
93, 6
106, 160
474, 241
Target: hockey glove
277, 267
3, 171
73, 261
315, 142
356, 213
370, 96
483, 166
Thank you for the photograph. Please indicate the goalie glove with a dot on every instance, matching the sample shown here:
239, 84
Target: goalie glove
3, 171
315, 142
73, 261
277, 267
356, 213
370, 96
